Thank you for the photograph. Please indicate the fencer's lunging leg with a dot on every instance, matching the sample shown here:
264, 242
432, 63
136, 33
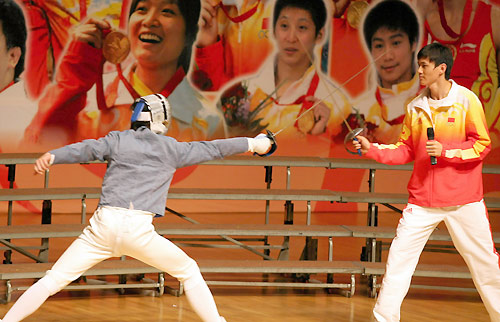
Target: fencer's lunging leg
200, 298
149, 247
28, 303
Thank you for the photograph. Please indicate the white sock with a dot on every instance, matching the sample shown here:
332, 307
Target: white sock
201, 300
28, 303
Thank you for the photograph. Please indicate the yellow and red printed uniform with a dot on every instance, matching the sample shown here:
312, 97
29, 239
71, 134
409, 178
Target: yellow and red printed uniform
282, 112
242, 46
383, 109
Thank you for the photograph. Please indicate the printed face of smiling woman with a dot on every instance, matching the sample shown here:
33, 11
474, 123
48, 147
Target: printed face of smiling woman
157, 33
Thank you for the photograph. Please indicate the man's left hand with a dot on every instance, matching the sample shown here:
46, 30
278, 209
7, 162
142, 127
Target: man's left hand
434, 148
43, 163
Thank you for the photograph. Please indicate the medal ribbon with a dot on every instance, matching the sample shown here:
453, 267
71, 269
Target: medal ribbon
175, 80
83, 9
465, 19
169, 88
124, 14
127, 84
302, 99
241, 17
397, 120
10, 84
310, 92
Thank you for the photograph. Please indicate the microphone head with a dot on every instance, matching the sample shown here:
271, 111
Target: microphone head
430, 133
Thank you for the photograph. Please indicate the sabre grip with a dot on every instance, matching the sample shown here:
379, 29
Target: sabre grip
359, 150
350, 137
274, 145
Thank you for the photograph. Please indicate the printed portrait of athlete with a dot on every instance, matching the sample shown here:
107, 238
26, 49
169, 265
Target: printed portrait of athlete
391, 34
86, 103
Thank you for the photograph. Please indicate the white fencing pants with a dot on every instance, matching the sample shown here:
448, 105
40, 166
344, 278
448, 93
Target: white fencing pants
114, 232
470, 231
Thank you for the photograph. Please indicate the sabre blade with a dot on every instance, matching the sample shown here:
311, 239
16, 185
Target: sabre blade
331, 93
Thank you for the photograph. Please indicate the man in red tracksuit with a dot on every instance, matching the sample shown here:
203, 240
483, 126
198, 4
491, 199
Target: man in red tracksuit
446, 183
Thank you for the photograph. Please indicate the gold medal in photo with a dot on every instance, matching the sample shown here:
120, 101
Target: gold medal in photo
306, 122
115, 47
355, 12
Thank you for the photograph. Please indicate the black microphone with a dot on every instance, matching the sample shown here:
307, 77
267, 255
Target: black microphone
430, 136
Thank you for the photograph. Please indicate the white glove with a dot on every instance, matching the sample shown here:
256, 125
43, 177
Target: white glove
261, 144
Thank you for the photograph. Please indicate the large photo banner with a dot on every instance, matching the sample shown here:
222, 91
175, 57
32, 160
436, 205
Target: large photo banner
310, 71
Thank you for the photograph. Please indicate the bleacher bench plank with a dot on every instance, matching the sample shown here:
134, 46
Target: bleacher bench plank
174, 193
366, 164
50, 193
253, 230
253, 194
425, 270
41, 231
279, 267
19, 158
373, 270
107, 267
132, 266
247, 160
390, 232
279, 161
373, 197
226, 194
74, 230
395, 198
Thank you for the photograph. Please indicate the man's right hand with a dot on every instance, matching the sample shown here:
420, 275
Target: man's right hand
361, 143
43, 163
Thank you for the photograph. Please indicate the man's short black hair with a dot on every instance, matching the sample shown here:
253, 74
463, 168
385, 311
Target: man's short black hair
14, 29
438, 54
393, 15
316, 8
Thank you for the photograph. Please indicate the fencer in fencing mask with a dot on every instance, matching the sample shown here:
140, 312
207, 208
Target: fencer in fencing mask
152, 111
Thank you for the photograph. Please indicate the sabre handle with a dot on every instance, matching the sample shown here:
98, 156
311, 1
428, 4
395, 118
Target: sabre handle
274, 145
359, 150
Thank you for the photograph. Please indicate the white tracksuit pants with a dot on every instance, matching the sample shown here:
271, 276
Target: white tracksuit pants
470, 230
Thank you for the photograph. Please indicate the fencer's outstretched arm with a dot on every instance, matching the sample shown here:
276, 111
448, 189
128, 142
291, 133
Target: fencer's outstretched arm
190, 153
89, 150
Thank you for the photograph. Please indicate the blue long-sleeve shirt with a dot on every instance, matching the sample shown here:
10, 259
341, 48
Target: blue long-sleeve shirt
141, 164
